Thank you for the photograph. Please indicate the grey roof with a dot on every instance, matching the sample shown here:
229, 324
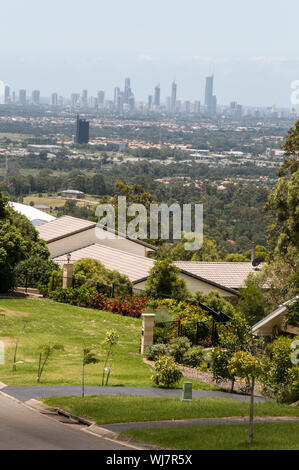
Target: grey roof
66, 226
62, 227
274, 315
228, 274
134, 266
123, 235
72, 191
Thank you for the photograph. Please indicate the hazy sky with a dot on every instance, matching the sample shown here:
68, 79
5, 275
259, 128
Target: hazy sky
252, 47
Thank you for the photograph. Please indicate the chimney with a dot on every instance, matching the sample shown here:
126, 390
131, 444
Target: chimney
252, 253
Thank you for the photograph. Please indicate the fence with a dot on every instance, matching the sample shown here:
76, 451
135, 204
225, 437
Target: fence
197, 332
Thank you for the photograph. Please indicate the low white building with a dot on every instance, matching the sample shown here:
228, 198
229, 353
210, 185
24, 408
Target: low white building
274, 323
36, 216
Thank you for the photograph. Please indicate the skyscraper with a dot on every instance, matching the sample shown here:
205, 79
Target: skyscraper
150, 102
75, 98
210, 99
209, 90
101, 98
82, 131
22, 97
117, 98
127, 91
6, 94
173, 97
35, 97
54, 99
157, 96
84, 98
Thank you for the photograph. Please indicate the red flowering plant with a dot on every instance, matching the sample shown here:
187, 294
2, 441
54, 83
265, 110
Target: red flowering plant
132, 306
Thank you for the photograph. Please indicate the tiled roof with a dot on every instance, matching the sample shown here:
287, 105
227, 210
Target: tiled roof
63, 227
133, 266
32, 213
66, 226
227, 274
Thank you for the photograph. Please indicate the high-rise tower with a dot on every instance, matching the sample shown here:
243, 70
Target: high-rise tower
82, 131
157, 96
210, 99
173, 97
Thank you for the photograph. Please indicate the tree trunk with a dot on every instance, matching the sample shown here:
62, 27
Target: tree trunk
83, 380
251, 412
105, 366
39, 364
14, 367
233, 385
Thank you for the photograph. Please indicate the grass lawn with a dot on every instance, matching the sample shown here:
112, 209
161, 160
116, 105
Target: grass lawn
53, 201
267, 436
15, 137
74, 328
122, 409
49, 201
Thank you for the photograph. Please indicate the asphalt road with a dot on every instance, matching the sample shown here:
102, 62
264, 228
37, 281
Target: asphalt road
25, 393
24, 429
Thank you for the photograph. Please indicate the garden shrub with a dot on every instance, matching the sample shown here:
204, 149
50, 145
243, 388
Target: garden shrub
153, 352
214, 300
35, 271
279, 373
163, 334
178, 309
80, 296
166, 373
93, 271
220, 366
178, 347
193, 357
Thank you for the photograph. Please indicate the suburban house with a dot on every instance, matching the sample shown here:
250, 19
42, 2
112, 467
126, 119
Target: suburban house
72, 238
43, 208
67, 234
72, 194
275, 322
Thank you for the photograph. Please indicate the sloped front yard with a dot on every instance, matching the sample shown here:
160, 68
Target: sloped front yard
35, 323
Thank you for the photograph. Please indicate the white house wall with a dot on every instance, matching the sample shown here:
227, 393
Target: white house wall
71, 243
193, 285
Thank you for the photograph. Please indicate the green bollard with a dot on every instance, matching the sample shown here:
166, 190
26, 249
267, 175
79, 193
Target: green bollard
187, 391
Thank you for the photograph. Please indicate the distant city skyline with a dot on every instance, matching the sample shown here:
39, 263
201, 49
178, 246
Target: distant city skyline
252, 48
119, 99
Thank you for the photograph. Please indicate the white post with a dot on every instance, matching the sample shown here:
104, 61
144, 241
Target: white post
148, 323
67, 276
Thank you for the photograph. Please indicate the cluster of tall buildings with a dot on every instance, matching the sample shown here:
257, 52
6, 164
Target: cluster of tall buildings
123, 100
10, 97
